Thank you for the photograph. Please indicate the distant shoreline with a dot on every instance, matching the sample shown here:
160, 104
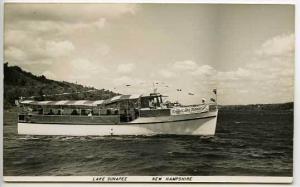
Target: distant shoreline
259, 107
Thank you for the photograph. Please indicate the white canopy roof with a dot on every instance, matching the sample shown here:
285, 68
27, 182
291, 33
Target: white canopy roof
64, 102
81, 102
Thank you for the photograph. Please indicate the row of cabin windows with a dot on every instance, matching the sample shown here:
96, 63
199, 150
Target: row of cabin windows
125, 107
83, 112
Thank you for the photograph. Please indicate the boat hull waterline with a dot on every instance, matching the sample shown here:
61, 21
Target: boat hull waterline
201, 125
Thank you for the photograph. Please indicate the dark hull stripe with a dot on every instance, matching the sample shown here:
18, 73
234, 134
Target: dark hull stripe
141, 123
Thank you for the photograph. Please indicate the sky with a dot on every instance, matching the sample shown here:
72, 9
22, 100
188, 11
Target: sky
245, 51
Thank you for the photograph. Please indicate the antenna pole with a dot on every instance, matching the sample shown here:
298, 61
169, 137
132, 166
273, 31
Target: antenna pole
153, 84
216, 99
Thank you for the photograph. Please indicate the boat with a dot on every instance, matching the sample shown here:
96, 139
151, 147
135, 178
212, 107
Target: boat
145, 115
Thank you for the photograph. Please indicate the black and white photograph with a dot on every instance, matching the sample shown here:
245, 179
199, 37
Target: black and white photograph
148, 92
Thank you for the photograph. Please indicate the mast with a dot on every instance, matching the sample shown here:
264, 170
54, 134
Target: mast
216, 97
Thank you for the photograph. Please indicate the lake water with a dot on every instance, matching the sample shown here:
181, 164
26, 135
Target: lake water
248, 143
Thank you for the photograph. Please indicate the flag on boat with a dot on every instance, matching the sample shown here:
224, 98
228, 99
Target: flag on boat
215, 91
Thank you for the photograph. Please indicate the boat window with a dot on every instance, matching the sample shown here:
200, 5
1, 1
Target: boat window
21, 117
74, 112
151, 103
67, 111
95, 112
136, 113
144, 102
51, 112
103, 112
84, 112
40, 111
156, 102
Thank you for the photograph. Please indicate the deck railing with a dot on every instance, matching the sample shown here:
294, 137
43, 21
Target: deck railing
70, 119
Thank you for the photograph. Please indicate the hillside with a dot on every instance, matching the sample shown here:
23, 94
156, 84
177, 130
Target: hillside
18, 82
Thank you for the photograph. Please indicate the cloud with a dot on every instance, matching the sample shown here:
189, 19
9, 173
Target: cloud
278, 46
125, 68
130, 85
123, 80
100, 23
204, 70
15, 54
32, 50
58, 49
166, 73
238, 74
51, 28
267, 77
83, 42
14, 37
186, 65
102, 49
51, 39
67, 12
49, 75
39, 33
190, 67
85, 68
83, 71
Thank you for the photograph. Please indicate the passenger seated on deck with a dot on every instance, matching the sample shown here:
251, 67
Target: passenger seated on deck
163, 106
90, 113
84, 113
51, 112
151, 105
155, 103
74, 112
40, 111
136, 113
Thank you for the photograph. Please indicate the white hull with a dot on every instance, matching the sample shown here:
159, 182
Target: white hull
200, 125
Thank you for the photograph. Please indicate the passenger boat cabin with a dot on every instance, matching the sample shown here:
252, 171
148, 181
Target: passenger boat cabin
124, 107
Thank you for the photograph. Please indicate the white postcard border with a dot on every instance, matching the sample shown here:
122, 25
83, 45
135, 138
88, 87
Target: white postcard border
152, 179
